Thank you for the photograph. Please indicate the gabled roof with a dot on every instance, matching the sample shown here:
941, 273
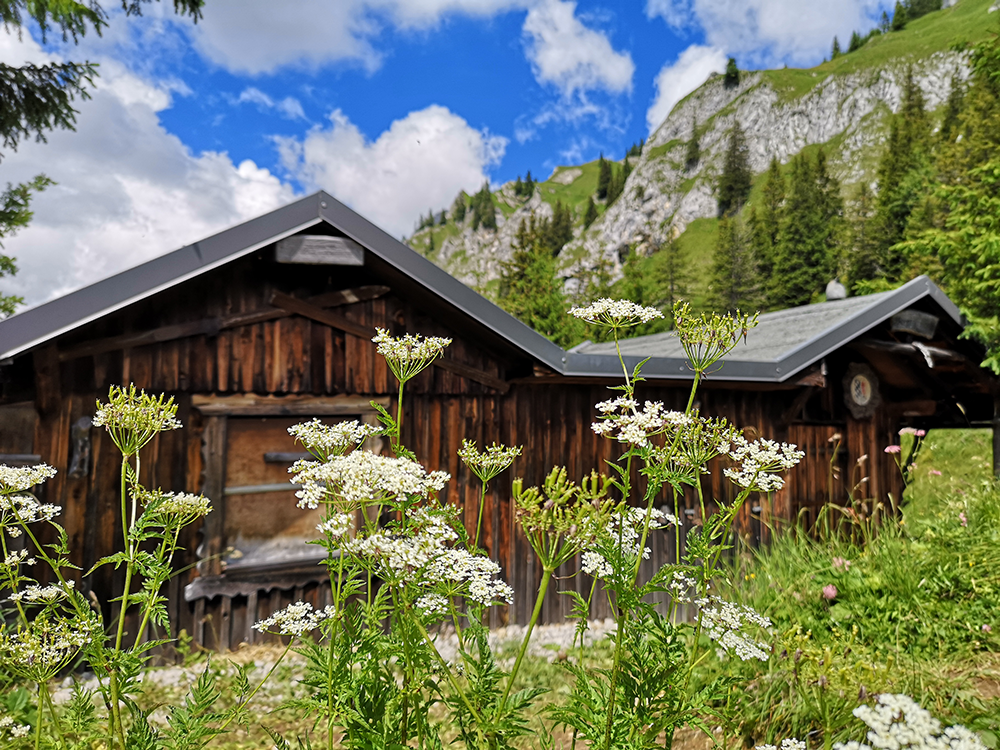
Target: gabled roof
783, 344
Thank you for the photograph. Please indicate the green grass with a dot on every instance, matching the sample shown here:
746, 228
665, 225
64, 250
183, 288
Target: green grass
575, 194
698, 248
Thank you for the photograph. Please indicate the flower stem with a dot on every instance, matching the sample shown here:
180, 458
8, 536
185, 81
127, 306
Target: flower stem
535, 614
254, 692
479, 522
41, 717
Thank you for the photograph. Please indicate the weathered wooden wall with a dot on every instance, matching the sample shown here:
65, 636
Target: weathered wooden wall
249, 347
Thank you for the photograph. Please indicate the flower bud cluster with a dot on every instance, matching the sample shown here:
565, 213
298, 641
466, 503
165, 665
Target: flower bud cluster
8, 725
622, 419
724, 623
295, 619
21, 478
759, 460
897, 722
490, 462
408, 355
184, 504
615, 313
362, 478
45, 646
133, 417
327, 440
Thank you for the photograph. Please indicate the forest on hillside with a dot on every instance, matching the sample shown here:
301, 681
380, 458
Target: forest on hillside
933, 208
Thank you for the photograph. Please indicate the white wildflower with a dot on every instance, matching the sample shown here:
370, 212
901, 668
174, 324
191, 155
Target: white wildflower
759, 460
184, 504
724, 623
633, 425
615, 313
18, 509
489, 463
897, 722
432, 604
330, 440
46, 594
7, 724
624, 531
295, 619
20, 557
408, 355
477, 572
21, 478
362, 478
133, 417
681, 587
337, 526
786, 744
593, 564
44, 647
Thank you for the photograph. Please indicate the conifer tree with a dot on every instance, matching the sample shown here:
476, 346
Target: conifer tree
458, 208
899, 17
735, 281
559, 230
616, 184
863, 260
857, 42
805, 256
603, 178
518, 186
483, 210
764, 221
671, 275
952, 109
530, 290
884, 24
733, 187
692, 154
732, 77
836, 49
590, 213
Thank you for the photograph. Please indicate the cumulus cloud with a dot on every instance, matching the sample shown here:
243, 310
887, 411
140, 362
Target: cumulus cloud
571, 56
127, 189
420, 162
677, 79
252, 37
289, 107
767, 32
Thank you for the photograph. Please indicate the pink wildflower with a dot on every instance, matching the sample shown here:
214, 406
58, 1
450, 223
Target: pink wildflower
963, 519
920, 433
840, 563
892, 449
987, 629
829, 592
934, 473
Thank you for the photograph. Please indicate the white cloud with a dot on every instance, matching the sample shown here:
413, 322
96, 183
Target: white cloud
420, 162
767, 32
676, 80
289, 107
258, 36
571, 56
127, 189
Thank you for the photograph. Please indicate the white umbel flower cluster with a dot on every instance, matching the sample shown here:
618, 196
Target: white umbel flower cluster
295, 619
786, 744
759, 461
897, 722
44, 647
490, 462
681, 587
18, 509
362, 478
132, 417
332, 439
43, 594
615, 313
17, 558
11, 727
432, 605
337, 526
622, 419
475, 571
625, 528
185, 505
408, 355
21, 478
724, 623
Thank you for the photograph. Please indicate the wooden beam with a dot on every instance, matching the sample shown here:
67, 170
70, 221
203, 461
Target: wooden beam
306, 310
48, 388
212, 326
252, 405
213, 484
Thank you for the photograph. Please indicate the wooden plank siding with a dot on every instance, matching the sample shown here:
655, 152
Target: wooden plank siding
292, 356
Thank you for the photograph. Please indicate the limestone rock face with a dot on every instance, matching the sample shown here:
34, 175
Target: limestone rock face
661, 197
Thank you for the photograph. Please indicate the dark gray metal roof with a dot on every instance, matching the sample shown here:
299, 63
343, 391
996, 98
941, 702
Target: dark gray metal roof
783, 344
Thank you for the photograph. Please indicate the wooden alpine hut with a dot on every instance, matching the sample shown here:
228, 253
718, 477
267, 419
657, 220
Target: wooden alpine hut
269, 323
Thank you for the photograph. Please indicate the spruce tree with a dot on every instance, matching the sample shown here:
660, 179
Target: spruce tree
884, 24
529, 185
559, 230
836, 49
805, 257
732, 77
590, 213
530, 290
518, 187
899, 18
733, 187
603, 178
458, 209
692, 154
764, 221
735, 281
671, 275
952, 109
857, 42
863, 260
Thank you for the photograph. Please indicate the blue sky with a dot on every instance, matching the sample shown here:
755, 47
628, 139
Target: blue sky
393, 106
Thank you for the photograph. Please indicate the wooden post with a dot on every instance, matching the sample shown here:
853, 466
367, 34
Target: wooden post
214, 438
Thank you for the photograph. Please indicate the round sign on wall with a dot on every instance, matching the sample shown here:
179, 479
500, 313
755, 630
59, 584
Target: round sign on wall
861, 394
